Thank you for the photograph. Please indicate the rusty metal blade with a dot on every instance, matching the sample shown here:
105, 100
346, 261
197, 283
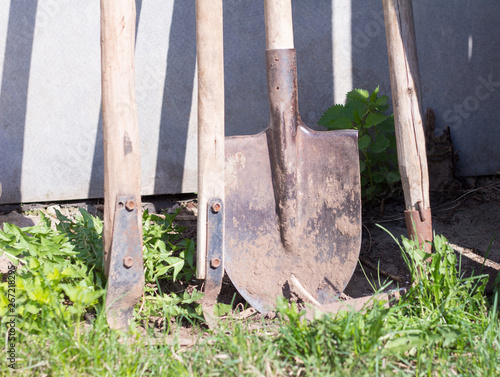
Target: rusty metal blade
215, 258
126, 274
389, 299
327, 224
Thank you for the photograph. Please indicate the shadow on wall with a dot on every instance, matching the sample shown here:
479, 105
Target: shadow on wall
176, 105
247, 110
14, 95
177, 99
370, 63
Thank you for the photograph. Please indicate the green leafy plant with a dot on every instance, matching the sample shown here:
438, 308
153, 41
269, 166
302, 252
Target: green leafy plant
439, 280
366, 112
456, 334
51, 277
164, 249
60, 272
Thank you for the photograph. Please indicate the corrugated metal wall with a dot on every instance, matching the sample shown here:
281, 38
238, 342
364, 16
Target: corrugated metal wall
50, 125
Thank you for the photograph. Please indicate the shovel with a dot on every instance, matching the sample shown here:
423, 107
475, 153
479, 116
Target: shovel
210, 59
292, 211
122, 237
405, 85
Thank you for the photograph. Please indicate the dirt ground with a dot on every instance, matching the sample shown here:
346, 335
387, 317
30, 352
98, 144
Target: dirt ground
468, 217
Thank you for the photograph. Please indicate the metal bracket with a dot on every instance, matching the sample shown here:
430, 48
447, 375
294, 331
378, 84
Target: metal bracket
215, 257
126, 272
419, 225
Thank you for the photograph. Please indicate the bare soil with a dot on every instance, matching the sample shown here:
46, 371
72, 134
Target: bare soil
468, 218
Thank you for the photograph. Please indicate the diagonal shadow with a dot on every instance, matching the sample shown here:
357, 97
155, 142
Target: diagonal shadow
177, 99
14, 96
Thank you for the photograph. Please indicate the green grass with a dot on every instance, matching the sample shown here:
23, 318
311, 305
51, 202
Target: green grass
444, 325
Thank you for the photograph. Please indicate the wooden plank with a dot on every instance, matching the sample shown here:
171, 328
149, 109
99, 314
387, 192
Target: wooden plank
122, 164
210, 51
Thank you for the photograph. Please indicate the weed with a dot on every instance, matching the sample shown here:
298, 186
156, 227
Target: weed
60, 272
366, 112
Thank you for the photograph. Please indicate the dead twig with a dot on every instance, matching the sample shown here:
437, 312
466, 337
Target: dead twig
142, 305
370, 236
370, 265
245, 313
440, 208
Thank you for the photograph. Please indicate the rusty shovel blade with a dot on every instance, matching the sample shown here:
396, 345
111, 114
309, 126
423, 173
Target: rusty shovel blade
293, 201
126, 274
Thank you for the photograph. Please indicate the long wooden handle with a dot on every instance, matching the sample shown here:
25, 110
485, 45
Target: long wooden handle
410, 139
279, 25
210, 51
122, 162
405, 84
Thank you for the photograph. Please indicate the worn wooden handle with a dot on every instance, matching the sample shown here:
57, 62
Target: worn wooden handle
405, 84
122, 163
410, 139
279, 25
210, 52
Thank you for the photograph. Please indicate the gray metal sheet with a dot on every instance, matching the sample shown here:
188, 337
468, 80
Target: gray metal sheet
50, 129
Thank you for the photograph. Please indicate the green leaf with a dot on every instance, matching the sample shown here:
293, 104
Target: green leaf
375, 118
382, 101
362, 166
358, 95
12, 258
30, 308
357, 118
381, 143
91, 296
333, 113
340, 124
33, 264
177, 264
161, 271
378, 177
220, 309
190, 251
364, 141
370, 192
387, 125
393, 177
7, 237
373, 96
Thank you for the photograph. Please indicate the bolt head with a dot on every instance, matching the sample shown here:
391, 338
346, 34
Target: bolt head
215, 263
128, 262
130, 205
216, 206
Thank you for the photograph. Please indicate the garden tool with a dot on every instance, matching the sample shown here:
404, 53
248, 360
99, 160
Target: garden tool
410, 139
210, 55
292, 208
122, 238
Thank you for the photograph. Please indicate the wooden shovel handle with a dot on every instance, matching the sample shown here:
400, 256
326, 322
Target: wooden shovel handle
410, 139
122, 163
405, 84
210, 52
279, 25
